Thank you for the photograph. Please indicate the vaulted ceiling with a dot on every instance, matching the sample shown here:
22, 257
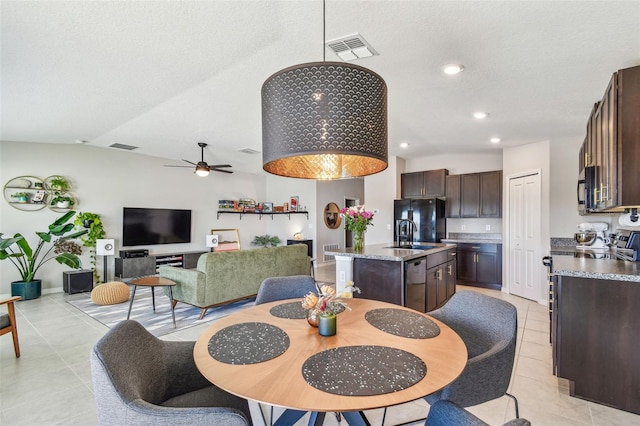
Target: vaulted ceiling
164, 75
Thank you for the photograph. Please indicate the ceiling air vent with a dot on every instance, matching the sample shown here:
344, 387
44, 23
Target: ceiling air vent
351, 47
249, 151
123, 146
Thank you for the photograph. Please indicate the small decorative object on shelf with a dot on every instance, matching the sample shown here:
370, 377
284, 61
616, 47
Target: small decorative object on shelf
294, 201
356, 220
21, 197
62, 201
327, 303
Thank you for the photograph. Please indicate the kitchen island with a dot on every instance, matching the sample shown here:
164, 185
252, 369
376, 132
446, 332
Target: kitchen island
419, 278
595, 329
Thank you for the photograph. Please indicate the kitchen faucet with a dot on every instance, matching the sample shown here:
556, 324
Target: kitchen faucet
399, 225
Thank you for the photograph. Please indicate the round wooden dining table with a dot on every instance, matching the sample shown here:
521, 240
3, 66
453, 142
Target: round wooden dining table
381, 355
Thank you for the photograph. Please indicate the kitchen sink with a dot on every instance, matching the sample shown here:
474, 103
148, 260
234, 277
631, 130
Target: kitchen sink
412, 247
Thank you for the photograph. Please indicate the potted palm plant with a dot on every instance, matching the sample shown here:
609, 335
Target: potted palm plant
28, 260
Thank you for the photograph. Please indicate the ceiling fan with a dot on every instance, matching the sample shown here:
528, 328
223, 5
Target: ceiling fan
202, 168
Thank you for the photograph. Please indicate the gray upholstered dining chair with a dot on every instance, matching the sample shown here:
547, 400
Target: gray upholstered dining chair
488, 327
280, 288
8, 322
447, 413
139, 379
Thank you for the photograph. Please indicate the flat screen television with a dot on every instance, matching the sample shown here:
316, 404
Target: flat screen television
142, 227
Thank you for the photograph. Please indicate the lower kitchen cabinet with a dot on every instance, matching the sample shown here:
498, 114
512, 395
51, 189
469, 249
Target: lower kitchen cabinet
480, 265
441, 278
594, 333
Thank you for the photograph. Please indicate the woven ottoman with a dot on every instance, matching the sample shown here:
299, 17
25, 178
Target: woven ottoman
110, 293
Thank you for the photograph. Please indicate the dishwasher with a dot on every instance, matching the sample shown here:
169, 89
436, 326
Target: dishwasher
415, 276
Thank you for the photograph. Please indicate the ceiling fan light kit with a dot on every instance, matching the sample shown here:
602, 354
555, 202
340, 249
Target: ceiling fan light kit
324, 120
202, 168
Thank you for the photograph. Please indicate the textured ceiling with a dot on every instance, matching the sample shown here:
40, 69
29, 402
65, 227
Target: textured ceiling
164, 75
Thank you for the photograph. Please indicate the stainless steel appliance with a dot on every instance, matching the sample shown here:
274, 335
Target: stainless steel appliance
427, 214
415, 274
627, 244
548, 262
586, 190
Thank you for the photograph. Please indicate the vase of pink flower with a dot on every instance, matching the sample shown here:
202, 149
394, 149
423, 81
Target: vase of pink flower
356, 220
323, 307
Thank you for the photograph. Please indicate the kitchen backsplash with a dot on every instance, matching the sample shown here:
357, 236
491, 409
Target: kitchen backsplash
474, 226
563, 242
472, 235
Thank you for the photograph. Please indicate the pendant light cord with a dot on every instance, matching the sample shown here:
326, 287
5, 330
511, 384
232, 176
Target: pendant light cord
324, 29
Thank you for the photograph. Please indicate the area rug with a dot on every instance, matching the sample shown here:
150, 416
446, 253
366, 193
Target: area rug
160, 322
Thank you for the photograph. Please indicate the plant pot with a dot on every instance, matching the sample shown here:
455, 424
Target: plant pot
87, 223
27, 290
23, 199
62, 204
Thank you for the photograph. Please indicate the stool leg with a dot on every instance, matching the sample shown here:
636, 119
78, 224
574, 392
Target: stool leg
153, 298
173, 312
133, 294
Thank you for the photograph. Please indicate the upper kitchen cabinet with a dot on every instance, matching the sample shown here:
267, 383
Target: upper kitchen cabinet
474, 195
426, 184
612, 144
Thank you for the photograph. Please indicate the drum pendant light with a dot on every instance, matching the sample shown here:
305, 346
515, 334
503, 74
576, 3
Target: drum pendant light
324, 120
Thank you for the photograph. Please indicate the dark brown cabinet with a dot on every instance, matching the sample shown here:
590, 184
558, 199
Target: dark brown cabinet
480, 265
426, 184
441, 278
475, 195
612, 143
595, 336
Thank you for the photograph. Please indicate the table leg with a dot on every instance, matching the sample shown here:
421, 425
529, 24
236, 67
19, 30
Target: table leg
289, 417
173, 312
153, 298
133, 294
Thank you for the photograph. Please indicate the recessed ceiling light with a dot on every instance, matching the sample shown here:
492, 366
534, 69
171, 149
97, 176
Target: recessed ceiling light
480, 115
453, 69
494, 140
404, 145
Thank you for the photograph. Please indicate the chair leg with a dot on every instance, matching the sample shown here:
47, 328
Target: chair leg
14, 332
515, 401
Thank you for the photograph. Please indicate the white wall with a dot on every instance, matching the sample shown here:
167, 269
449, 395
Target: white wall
106, 180
380, 191
457, 163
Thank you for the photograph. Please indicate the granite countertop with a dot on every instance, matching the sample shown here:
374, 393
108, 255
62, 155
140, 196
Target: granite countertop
602, 269
383, 252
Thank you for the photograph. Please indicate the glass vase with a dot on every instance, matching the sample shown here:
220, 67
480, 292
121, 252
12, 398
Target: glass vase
313, 317
358, 241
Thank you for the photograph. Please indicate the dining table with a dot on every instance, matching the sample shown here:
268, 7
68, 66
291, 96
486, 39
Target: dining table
381, 355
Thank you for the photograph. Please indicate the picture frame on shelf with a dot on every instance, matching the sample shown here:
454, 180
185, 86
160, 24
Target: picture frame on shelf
293, 203
267, 207
38, 197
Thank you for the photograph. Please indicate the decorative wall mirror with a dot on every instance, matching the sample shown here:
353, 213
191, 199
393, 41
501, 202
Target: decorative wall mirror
332, 216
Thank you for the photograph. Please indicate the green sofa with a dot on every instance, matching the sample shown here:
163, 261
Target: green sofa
223, 277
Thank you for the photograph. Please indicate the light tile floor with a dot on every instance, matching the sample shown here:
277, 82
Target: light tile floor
50, 384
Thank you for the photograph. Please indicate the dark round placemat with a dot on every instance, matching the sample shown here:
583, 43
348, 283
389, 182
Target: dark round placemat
363, 370
402, 323
248, 343
290, 310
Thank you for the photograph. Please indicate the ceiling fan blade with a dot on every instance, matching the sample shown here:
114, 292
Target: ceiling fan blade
190, 162
221, 171
172, 165
220, 165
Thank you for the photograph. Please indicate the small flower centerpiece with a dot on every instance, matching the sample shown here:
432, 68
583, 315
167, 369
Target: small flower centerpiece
356, 220
327, 303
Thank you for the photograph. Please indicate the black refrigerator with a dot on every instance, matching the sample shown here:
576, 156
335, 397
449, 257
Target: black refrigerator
429, 216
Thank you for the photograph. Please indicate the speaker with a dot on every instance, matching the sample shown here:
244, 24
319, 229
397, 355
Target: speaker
77, 281
212, 240
105, 247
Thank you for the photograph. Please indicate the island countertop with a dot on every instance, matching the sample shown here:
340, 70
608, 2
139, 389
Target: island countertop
603, 269
386, 251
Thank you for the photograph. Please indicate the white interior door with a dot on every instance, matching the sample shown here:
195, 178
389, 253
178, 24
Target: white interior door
524, 236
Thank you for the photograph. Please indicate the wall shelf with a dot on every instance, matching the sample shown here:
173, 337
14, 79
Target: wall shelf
260, 214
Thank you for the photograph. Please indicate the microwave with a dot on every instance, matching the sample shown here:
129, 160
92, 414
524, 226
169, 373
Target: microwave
585, 190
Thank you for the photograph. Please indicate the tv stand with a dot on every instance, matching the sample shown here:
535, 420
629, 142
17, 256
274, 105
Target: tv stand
142, 266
